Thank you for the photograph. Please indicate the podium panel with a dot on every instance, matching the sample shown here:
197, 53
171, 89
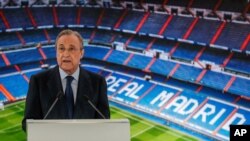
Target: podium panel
78, 130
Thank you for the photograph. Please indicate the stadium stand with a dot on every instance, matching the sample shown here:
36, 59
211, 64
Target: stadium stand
236, 36
34, 37
66, 15
21, 18
2, 97
178, 27
156, 20
109, 20
27, 55
9, 40
240, 62
131, 20
204, 31
2, 64
43, 16
89, 16
174, 53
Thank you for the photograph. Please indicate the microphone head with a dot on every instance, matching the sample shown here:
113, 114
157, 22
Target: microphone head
59, 95
86, 97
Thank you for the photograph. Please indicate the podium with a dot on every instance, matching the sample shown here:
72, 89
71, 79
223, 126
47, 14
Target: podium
78, 130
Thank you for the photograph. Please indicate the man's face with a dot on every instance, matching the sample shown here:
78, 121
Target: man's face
69, 53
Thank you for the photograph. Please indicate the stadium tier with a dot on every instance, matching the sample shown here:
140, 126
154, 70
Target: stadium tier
191, 70
232, 35
179, 71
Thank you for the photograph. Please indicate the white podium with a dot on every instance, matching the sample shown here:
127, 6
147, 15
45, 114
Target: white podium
78, 130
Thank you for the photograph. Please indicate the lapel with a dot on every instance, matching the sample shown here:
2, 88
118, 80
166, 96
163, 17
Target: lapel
54, 85
54, 82
84, 88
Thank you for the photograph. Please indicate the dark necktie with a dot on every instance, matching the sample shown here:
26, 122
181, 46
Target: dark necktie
69, 96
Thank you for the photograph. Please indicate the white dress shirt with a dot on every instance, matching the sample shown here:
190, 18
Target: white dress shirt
74, 83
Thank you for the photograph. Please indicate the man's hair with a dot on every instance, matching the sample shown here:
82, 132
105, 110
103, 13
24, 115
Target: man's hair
70, 32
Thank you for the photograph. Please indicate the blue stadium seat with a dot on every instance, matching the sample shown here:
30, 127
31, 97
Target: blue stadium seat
25, 56
42, 15
131, 20
95, 52
89, 16
187, 73
110, 17
66, 15
214, 55
21, 19
118, 57
162, 67
240, 86
17, 88
139, 61
204, 31
156, 21
178, 27
233, 35
215, 80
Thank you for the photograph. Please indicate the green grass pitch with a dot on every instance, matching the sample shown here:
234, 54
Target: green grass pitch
141, 129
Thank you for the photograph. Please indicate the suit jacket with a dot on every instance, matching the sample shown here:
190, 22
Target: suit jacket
43, 90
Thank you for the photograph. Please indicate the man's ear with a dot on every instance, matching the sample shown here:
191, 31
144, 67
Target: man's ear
82, 53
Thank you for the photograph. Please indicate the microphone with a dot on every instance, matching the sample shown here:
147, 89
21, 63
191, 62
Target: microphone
58, 96
93, 106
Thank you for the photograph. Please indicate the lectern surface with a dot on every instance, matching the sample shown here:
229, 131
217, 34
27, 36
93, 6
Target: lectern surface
78, 130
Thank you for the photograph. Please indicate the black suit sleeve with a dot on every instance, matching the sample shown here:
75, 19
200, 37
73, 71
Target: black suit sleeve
103, 104
32, 106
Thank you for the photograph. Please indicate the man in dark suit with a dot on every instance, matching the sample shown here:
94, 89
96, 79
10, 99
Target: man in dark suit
68, 78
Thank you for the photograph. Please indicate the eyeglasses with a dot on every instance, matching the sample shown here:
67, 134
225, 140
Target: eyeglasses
71, 50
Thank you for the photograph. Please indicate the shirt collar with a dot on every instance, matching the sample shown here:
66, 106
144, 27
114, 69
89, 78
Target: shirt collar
63, 74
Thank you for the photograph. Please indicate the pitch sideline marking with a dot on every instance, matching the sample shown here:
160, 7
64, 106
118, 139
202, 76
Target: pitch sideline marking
14, 126
142, 131
147, 123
